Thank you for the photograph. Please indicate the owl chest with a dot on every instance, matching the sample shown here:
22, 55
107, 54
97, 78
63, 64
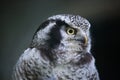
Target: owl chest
70, 73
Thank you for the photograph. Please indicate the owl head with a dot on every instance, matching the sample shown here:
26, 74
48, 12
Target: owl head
65, 32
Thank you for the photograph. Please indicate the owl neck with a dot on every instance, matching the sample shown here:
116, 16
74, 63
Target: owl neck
63, 56
71, 57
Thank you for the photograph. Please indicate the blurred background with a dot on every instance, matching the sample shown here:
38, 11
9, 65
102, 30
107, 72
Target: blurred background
19, 19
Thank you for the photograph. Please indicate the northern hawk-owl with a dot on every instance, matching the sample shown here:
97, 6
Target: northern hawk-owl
60, 50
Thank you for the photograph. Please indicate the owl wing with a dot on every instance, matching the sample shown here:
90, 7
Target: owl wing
30, 66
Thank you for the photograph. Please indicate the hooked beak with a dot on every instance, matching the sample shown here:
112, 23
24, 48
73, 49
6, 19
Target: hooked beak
83, 40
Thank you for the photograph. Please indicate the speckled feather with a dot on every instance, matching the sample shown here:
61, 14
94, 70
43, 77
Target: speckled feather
55, 55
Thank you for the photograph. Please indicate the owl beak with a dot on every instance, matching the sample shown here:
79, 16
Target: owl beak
83, 40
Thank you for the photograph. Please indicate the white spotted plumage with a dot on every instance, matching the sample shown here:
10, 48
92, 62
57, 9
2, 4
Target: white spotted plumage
60, 50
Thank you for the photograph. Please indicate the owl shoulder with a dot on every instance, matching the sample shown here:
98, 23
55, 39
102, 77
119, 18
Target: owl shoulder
29, 64
33, 56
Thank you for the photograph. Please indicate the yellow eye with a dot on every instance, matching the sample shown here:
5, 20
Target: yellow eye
70, 31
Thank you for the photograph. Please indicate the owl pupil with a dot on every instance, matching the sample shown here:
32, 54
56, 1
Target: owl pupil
70, 31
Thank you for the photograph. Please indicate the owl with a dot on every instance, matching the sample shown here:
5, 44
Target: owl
59, 50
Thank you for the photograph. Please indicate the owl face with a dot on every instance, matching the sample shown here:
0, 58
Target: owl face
64, 33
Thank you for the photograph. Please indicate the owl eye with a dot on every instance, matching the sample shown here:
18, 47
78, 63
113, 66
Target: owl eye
71, 31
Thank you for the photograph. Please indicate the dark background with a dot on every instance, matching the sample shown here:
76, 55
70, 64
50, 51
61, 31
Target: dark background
19, 19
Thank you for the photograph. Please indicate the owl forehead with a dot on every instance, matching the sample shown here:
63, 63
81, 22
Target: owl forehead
73, 20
